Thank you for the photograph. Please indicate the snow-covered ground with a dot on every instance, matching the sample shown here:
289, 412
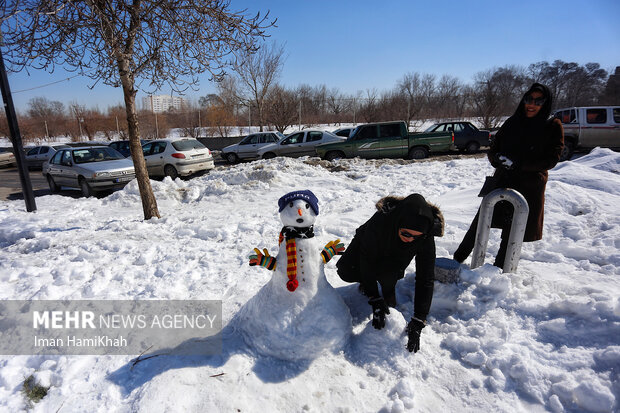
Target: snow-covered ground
546, 338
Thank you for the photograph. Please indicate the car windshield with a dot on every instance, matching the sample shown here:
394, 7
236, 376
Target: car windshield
280, 136
353, 134
95, 155
432, 128
187, 144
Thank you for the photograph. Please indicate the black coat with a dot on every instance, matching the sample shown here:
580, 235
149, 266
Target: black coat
376, 254
534, 145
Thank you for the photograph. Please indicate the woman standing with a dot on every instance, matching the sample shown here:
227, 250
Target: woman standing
526, 146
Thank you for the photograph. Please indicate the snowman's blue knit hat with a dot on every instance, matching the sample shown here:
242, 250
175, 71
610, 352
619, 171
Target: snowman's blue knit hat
305, 194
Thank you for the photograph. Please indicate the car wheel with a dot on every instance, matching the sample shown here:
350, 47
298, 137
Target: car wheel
567, 151
53, 187
419, 152
86, 189
472, 147
333, 155
269, 155
171, 171
231, 158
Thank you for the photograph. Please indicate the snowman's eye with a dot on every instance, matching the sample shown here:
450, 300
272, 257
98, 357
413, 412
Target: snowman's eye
307, 206
290, 205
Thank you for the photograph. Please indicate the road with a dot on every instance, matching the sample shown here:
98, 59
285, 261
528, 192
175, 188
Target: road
10, 186
11, 189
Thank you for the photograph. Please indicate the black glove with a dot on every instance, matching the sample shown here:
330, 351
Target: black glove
414, 329
379, 310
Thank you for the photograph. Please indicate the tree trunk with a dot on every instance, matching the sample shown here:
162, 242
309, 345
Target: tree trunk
149, 203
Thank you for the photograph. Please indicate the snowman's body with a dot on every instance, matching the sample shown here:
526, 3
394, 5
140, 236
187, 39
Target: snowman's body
297, 324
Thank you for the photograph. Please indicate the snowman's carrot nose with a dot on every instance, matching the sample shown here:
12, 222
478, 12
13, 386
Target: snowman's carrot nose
299, 211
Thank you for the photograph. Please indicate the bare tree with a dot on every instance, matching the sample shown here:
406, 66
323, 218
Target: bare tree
257, 73
428, 91
48, 116
448, 91
338, 104
4, 126
368, 109
410, 86
570, 83
611, 94
281, 108
496, 93
123, 43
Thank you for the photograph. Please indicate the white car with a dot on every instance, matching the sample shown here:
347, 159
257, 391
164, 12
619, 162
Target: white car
175, 157
249, 146
299, 144
6, 157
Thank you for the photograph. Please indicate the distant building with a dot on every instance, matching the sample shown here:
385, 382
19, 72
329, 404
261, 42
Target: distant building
162, 103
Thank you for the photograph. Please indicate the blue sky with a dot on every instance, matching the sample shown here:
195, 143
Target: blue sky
360, 45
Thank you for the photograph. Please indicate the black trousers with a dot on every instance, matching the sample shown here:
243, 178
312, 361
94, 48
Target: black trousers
467, 245
387, 280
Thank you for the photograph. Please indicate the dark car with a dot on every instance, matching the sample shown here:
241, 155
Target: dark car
123, 147
467, 137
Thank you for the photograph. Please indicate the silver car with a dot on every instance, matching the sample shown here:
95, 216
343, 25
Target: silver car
90, 168
249, 146
299, 144
36, 156
175, 157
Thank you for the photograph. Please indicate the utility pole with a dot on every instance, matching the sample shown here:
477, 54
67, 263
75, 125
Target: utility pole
16, 138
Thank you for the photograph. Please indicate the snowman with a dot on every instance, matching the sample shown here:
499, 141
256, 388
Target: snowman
297, 314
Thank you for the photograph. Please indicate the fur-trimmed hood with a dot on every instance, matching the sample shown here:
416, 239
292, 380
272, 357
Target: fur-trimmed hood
388, 203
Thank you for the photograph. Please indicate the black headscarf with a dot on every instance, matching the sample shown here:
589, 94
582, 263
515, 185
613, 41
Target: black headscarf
545, 110
412, 213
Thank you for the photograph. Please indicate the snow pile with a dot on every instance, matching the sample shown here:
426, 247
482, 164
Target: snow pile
544, 339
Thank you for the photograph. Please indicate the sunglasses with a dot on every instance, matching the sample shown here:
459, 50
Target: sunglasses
409, 235
528, 100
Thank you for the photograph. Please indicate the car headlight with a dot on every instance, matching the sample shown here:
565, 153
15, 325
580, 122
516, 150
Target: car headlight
101, 174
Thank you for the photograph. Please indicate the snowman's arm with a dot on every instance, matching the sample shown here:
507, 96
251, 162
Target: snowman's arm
264, 260
332, 248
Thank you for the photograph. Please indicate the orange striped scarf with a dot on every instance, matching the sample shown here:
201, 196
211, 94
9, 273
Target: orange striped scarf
291, 262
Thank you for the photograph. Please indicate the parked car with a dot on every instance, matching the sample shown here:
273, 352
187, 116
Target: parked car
589, 127
89, 168
37, 155
387, 140
344, 132
6, 157
123, 147
249, 146
175, 157
467, 137
299, 144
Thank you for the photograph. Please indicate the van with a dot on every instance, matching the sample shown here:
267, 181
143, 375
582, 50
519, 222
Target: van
589, 127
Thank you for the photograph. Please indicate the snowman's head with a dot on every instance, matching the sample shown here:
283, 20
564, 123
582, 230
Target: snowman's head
298, 209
